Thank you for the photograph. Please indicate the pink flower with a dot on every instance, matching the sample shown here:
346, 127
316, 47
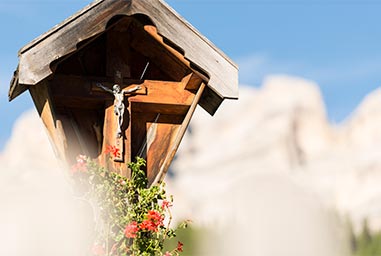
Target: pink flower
167, 254
114, 151
131, 230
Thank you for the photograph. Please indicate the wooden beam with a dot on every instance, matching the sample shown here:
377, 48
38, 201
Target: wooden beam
118, 50
89, 96
142, 90
109, 139
192, 82
168, 109
180, 134
144, 43
152, 30
169, 93
42, 100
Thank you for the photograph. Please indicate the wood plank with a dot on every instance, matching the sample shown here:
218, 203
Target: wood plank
109, 139
15, 88
86, 85
192, 81
210, 101
167, 109
176, 142
81, 92
79, 102
118, 50
118, 66
95, 90
44, 105
162, 92
64, 41
152, 135
196, 71
157, 53
160, 142
87, 127
80, 134
72, 146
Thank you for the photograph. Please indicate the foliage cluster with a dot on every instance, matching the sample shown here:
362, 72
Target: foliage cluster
131, 218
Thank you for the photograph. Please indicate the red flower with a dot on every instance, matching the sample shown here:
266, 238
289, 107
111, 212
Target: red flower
153, 220
155, 216
167, 254
112, 150
166, 204
179, 246
98, 250
131, 230
149, 225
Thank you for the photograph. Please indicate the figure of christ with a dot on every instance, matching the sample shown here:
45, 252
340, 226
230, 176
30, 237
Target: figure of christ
119, 106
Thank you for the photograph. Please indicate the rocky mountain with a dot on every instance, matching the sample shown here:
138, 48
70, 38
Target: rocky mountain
274, 154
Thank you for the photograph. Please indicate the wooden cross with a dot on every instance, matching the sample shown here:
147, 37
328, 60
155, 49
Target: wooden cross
119, 112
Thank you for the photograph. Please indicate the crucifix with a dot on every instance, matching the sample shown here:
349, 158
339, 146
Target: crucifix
119, 106
119, 111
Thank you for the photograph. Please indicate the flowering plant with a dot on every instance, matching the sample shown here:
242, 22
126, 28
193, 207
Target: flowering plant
131, 218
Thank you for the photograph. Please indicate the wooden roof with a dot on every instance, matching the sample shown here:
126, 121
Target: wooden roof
37, 56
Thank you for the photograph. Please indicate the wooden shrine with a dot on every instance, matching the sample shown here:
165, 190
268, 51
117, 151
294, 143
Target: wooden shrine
123, 73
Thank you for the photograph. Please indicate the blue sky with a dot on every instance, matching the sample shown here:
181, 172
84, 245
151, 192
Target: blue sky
334, 43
